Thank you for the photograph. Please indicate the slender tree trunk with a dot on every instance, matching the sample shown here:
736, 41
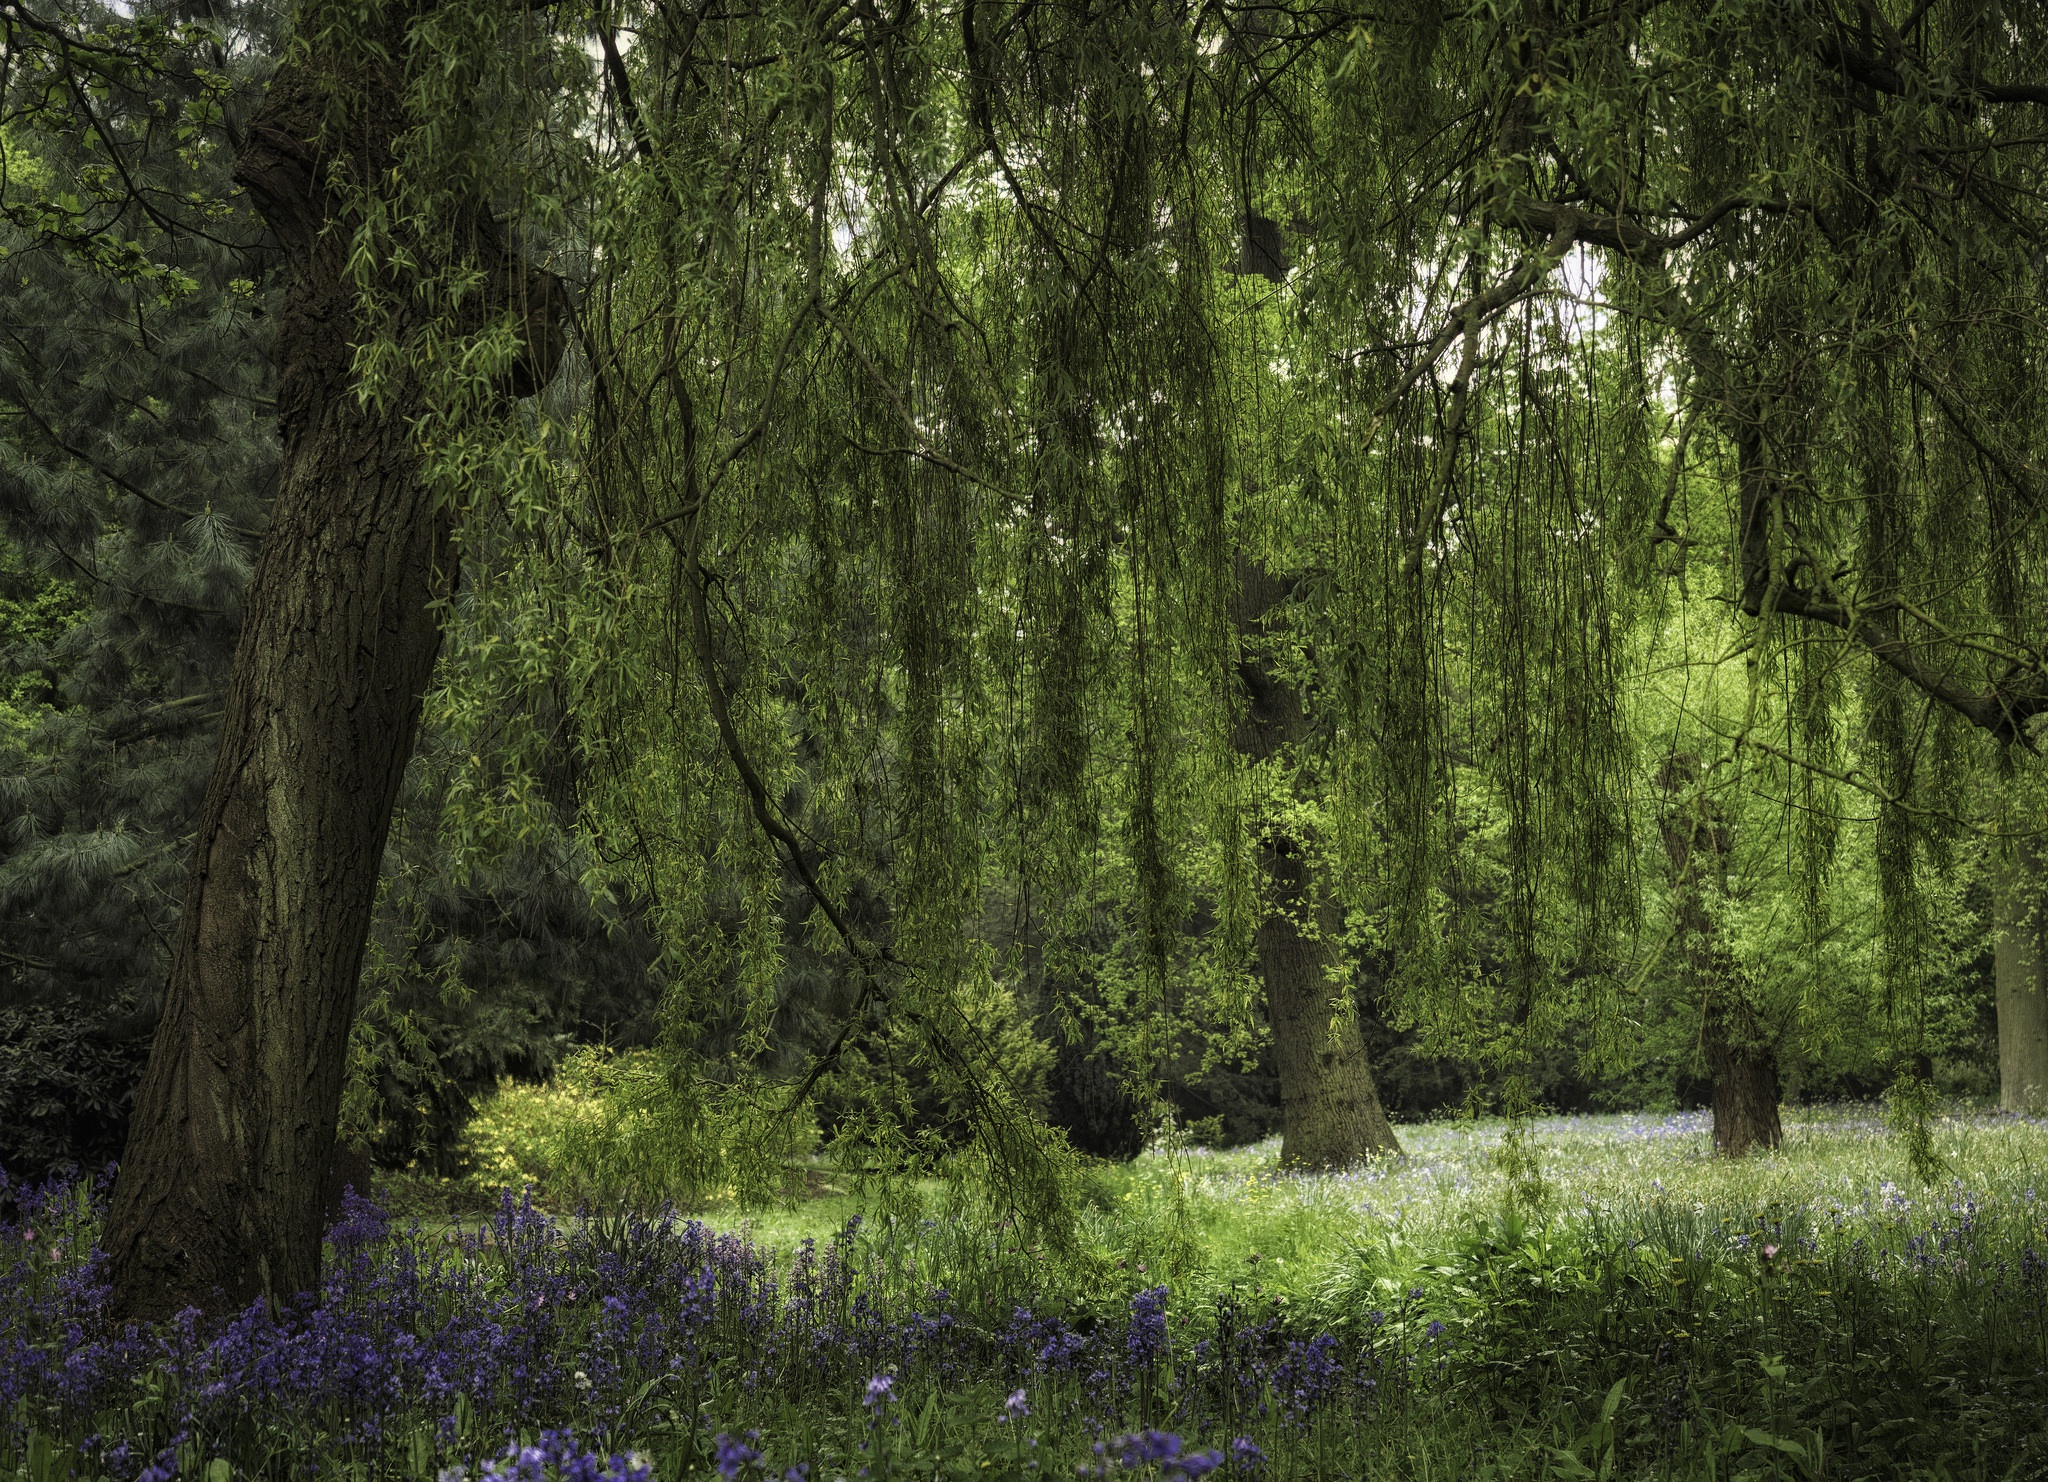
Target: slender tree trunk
218, 1200
1330, 1108
2020, 967
1740, 1059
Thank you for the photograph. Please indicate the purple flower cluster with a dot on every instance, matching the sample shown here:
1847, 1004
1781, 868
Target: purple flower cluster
1042, 1343
424, 1345
1307, 1377
734, 1457
555, 1457
429, 1341
523, 1319
1151, 1453
1145, 1339
425, 1352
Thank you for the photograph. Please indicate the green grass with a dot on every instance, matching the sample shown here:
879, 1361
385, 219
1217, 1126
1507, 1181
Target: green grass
1627, 1323
1836, 1163
1616, 1315
1624, 1305
1291, 1233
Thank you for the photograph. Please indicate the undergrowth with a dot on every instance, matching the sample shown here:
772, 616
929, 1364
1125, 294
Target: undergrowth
1897, 1330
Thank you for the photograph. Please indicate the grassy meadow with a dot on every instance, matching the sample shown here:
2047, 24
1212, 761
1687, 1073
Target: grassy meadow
1582, 1297
1838, 1164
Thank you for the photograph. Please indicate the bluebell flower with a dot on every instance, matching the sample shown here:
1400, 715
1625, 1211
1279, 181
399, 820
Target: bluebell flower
1149, 1446
733, 1457
1145, 1339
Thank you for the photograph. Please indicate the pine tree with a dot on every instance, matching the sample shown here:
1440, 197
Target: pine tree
136, 462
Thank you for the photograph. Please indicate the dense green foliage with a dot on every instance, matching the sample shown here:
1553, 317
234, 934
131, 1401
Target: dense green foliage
845, 638
137, 462
858, 773
844, 703
944, 368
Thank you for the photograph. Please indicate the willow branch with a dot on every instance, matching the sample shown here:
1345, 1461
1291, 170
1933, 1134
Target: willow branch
1623, 234
688, 545
1453, 433
1887, 76
1473, 314
1959, 417
622, 86
1663, 532
2002, 710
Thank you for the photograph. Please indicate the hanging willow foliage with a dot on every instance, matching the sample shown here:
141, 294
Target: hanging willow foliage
944, 365
912, 460
934, 366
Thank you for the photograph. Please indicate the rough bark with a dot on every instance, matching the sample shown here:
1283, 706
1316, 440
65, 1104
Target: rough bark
1330, 1108
220, 1192
1741, 1060
2020, 968
1745, 1074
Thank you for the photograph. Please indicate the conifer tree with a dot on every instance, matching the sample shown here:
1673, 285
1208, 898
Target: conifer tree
136, 464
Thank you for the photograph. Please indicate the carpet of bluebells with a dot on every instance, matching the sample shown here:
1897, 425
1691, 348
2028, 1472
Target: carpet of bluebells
1905, 1338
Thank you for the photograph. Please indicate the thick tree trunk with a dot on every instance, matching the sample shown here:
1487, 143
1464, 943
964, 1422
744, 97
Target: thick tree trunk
2020, 967
1745, 1091
218, 1201
1330, 1108
1740, 1059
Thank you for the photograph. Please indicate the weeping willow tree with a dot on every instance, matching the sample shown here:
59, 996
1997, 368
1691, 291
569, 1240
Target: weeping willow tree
1824, 221
1630, 293
966, 466
1199, 458
911, 451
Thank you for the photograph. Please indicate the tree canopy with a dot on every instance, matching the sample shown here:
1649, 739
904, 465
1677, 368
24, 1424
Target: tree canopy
1465, 517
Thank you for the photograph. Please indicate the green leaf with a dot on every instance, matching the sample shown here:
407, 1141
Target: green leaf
1613, 1401
1765, 1438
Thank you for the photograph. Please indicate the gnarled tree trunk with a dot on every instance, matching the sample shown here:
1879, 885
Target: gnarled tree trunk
1330, 1108
218, 1200
2020, 969
1740, 1058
